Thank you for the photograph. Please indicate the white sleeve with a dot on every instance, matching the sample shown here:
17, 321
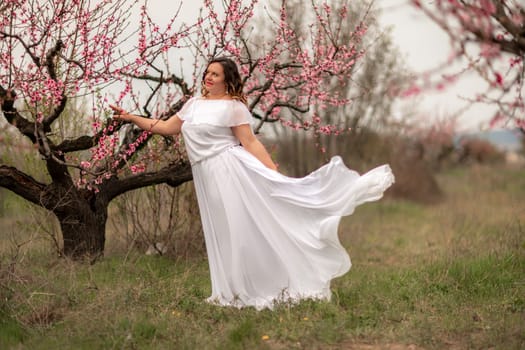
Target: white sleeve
185, 111
239, 114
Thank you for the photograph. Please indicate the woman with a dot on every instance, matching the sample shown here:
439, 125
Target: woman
269, 237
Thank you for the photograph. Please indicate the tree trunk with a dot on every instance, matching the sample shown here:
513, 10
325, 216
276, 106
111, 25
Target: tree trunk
82, 216
83, 232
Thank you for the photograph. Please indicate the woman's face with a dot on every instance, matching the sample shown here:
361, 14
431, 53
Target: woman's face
214, 79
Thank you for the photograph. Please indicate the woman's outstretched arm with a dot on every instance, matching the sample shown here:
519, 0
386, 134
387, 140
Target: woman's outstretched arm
248, 140
163, 127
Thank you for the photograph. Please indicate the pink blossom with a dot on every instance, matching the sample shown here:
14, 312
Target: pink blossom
520, 123
412, 91
496, 120
489, 50
499, 78
488, 6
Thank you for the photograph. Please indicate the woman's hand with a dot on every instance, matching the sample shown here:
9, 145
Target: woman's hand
168, 127
120, 114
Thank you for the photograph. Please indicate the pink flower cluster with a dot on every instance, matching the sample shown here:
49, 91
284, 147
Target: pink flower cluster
293, 68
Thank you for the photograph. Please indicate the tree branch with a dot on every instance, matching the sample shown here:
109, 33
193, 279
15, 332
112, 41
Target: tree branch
170, 79
174, 175
21, 184
27, 48
7, 100
84, 142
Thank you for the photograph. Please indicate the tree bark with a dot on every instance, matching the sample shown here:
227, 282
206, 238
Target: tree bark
83, 232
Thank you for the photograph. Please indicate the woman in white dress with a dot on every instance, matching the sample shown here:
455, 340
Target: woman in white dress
269, 238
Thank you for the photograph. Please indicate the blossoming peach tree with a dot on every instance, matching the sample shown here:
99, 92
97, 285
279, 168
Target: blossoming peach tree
53, 53
488, 36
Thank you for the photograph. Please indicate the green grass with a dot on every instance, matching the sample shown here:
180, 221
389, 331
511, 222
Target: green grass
451, 275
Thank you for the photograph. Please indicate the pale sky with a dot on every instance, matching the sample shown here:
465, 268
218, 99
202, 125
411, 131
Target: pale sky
426, 46
422, 43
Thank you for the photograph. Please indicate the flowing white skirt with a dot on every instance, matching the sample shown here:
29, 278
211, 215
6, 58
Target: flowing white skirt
271, 238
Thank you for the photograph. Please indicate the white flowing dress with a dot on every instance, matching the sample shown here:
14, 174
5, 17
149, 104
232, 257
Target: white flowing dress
269, 238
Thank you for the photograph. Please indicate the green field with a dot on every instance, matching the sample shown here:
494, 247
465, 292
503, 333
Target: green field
446, 276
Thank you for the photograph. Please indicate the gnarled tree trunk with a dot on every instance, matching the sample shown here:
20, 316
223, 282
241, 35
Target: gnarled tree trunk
83, 227
82, 214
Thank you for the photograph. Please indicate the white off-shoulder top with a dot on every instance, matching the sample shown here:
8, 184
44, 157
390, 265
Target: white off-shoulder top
207, 126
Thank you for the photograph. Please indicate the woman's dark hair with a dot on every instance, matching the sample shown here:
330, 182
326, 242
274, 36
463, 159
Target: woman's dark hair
232, 79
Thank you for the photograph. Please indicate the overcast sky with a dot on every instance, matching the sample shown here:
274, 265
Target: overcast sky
425, 46
422, 43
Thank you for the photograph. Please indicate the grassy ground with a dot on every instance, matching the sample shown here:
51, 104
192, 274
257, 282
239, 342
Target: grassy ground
449, 276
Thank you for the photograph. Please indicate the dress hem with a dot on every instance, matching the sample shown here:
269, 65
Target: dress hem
270, 302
